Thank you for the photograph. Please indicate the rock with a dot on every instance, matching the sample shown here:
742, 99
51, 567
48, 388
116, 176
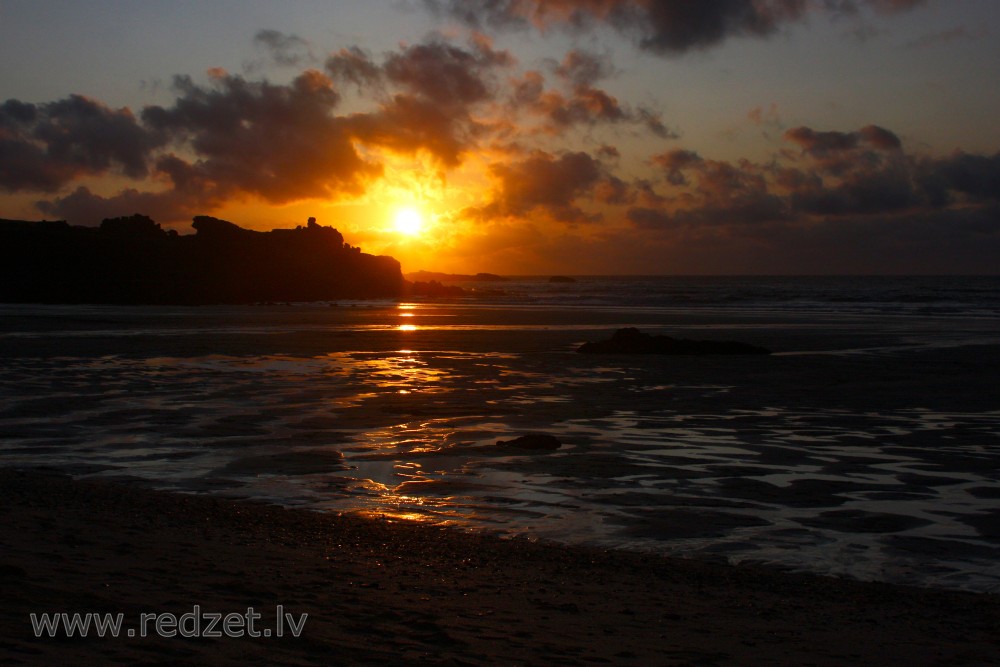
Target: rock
536, 441
633, 341
435, 290
132, 260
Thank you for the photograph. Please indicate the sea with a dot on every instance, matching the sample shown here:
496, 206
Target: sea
867, 445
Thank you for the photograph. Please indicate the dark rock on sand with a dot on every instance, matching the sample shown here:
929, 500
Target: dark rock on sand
536, 441
633, 341
435, 290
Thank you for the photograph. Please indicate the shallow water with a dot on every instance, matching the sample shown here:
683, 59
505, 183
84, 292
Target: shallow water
869, 448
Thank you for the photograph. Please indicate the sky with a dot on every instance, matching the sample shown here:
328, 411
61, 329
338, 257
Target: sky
524, 136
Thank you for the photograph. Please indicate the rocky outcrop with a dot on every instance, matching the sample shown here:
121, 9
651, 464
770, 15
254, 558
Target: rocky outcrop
133, 260
633, 341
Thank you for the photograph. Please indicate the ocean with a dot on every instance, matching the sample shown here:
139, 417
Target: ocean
867, 446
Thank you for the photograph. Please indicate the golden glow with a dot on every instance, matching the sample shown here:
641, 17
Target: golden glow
407, 327
409, 221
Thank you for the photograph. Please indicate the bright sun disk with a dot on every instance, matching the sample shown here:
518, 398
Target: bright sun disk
409, 221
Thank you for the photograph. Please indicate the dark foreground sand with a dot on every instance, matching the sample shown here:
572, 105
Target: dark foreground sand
392, 593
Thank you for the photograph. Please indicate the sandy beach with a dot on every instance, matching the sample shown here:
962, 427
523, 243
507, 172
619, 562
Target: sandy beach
388, 592
831, 504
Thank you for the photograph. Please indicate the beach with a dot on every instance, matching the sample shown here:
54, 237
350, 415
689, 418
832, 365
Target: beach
831, 503
383, 591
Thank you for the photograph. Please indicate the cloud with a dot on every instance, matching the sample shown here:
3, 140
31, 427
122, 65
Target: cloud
235, 138
580, 104
411, 124
961, 176
284, 49
44, 147
278, 142
428, 95
837, 176
583, 68
447, 74
355, 66
664, 27
841, 152
547, 184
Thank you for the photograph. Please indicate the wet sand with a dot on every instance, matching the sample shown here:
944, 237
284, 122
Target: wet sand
389, 592
865, 448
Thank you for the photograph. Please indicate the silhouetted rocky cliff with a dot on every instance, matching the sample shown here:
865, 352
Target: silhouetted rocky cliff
134, 261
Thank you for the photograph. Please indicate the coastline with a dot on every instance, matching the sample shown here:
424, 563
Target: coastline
379, 590
863, 448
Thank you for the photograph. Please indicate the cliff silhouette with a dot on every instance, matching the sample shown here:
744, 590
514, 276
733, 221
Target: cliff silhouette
132, 260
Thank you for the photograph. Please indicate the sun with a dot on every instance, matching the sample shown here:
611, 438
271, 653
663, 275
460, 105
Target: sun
409, 221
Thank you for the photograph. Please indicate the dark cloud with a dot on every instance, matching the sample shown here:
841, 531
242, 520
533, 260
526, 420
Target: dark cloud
279, 142
884, 191
609, 152
678, 26
820, 144
846, 152
837, 176
674, 162
410, 124
581, 105
43, 147
583, 68
354, 66
284, 49
654, 123
546, 183
446, 74
438, 87
83, 132
710, 192
961, 176
613, 190
660, 26
586, 106
649, 218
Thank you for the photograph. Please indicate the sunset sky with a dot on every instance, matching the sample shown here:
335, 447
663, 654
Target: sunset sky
524, 136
